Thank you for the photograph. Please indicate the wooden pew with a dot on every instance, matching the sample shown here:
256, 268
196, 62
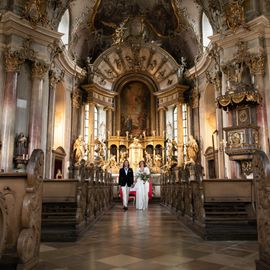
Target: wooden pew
20, 215
70, 206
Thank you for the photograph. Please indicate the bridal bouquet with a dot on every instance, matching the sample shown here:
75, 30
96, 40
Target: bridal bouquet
145, 177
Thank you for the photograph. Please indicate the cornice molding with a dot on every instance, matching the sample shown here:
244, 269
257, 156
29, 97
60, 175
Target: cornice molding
255, 29
69, 65
12, 24
201, 66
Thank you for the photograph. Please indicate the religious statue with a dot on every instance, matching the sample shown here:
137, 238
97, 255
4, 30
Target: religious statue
111, 165
119, 34
181, 69
90, 69
79, 149
192, 150
123, 156
169, 149
148, 159
59, 174
135, 153
21, 149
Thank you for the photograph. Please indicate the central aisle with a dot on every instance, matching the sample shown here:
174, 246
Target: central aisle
151, 239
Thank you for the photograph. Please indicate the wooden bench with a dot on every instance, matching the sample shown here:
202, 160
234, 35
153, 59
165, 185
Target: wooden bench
20, 215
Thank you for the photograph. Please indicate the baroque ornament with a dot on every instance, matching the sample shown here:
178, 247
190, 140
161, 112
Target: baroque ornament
13, 60
39, 69
35, 12
261, 165
234, 13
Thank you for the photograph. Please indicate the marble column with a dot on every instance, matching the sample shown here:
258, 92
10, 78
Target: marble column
161, 120
180, 134
153, 114
12, 64
91, 139
258, 70
54, 79
109, 119
39, 69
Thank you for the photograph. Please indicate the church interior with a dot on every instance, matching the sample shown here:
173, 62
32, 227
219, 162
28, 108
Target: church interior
180, 84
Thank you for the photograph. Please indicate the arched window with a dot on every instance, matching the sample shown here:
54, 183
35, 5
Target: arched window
185, 128
175, 119
64, 27
207, 30
95, 122
86, 123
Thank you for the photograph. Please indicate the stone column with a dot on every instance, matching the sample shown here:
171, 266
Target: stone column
54, 79
12, 64
76, 104
153, 114
258, 70
161, 120
195, 127
180, 134
91, 139
39, 69
109, 111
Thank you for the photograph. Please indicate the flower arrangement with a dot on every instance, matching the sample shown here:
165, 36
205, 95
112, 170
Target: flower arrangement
144, 176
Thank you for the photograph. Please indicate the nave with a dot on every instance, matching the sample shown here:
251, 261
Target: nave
152, 239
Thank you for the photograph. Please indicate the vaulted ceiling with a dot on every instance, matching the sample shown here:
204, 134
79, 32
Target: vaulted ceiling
175, 25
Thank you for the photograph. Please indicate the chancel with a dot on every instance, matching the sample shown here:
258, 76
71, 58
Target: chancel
86, 86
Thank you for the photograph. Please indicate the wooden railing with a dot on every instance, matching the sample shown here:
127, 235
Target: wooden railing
20, 215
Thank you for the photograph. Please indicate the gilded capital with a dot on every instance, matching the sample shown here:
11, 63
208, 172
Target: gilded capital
55, 78
13, 60
39, 68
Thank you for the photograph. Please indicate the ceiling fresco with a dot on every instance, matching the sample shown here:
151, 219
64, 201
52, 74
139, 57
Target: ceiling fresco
167, 23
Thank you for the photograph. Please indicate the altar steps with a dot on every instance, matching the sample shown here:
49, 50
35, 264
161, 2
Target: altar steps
229, 221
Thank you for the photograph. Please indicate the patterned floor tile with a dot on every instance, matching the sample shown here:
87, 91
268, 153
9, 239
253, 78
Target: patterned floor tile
151, 239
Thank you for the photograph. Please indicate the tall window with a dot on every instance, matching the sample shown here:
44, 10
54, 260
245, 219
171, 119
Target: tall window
95, 123
86, 123
207, 30
175, 119
64, 27
185, 128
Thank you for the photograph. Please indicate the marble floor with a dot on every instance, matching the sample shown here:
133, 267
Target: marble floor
151, 239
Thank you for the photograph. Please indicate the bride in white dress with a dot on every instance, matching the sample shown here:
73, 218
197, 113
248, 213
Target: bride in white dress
142, 186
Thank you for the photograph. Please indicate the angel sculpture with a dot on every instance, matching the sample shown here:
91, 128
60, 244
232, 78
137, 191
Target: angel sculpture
119, 34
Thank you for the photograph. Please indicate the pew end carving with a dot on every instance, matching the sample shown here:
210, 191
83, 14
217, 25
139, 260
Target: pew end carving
20, 215
261, 168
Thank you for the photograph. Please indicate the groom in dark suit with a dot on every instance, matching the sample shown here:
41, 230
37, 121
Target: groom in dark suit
126, 180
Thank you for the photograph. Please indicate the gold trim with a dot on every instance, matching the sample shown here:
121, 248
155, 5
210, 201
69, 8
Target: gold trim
238, 97
93, 16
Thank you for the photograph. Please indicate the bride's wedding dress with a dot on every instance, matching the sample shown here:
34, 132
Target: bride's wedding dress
142, 189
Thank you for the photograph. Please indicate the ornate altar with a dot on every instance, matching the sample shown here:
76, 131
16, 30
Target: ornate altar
150, 148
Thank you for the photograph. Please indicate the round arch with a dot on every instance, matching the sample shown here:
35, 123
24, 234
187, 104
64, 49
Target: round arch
134, 113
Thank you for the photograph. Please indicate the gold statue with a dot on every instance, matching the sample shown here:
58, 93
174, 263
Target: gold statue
123, 156
148, 160
192, 150
79, 149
